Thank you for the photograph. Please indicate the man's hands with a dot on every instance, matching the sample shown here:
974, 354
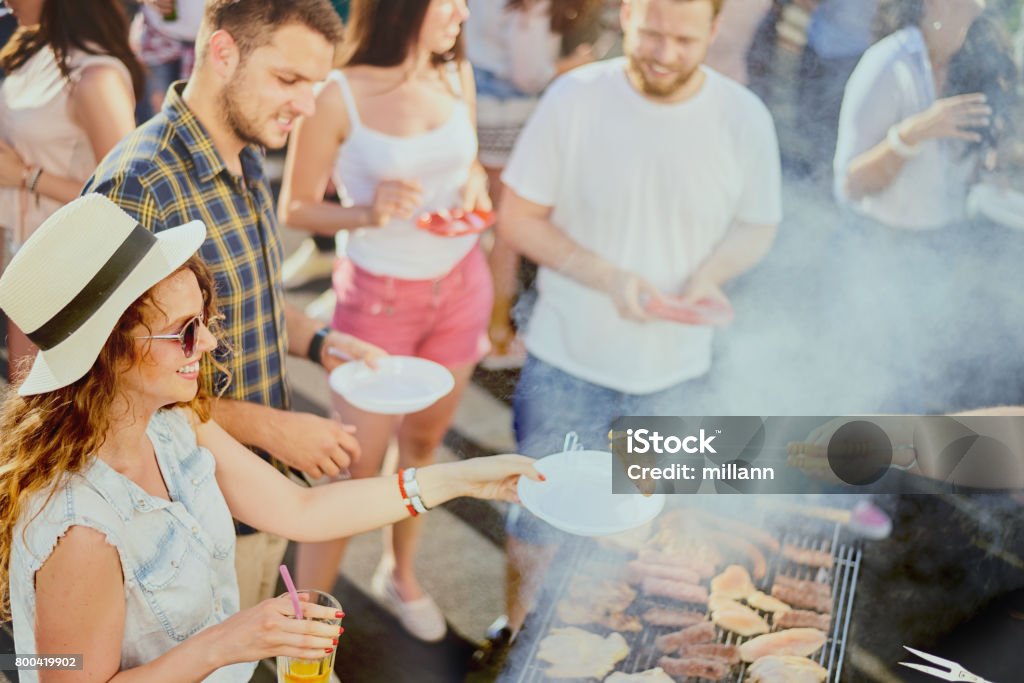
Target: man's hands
317, 446
702, 288
629, 292
811, 454
348, 348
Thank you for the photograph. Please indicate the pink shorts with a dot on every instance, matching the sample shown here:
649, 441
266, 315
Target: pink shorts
443, 320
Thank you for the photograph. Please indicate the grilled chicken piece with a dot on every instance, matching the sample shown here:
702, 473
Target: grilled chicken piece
767, 603
719, 602
801, 642
593, 601
734, 582
785, 669
740, 620
655, 675
575, 653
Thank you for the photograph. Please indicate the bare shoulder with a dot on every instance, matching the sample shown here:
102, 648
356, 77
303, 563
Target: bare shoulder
82, 550
105, 79
83, 567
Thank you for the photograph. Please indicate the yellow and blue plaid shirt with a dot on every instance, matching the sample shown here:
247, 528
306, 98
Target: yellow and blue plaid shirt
166, 173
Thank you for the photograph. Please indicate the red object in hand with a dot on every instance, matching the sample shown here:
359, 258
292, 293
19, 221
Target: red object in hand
456, 223
704, 312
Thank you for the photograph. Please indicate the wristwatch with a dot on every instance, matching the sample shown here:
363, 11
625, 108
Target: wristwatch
316, 345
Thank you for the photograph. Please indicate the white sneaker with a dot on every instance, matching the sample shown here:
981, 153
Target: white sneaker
421, 617
322, 307
307, 263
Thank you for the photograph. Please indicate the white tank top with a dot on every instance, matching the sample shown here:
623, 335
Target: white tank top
439, 160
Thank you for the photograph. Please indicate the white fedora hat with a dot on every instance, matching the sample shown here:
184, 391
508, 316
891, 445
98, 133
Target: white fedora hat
69, 284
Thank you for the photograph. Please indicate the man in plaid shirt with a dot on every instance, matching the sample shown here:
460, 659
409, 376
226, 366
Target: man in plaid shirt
201, 158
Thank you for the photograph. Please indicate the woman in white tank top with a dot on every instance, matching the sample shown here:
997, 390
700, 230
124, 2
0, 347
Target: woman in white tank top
394, 128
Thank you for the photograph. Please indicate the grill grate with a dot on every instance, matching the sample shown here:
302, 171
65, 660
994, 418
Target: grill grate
578, 554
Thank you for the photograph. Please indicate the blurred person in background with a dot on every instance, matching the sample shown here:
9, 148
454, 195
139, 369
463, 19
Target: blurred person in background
515, 47
922, 113
395, 130
738, 25
202, 158
8, 25
164, 36
117, 486
68, 97
681, 195
900, 156
839, 33
313, 260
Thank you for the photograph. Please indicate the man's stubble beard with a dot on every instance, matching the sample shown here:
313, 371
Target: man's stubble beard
235, 118
666, 91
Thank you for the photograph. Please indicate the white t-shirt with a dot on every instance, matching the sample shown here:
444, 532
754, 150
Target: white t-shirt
893, 81
652, 188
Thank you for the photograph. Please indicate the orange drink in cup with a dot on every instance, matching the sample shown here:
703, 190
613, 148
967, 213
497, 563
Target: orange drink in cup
291, 670
305, 670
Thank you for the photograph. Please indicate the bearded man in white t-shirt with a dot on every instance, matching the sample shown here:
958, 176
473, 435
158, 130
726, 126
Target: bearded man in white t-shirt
636, 178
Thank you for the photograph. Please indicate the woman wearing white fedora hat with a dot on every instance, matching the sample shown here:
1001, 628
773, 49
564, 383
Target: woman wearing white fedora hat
117, 490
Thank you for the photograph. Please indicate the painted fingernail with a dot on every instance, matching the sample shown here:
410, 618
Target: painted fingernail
334, 642
339, 614
341, 630
543, 478
328, 650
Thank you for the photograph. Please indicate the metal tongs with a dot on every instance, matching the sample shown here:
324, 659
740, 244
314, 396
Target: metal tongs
951, 671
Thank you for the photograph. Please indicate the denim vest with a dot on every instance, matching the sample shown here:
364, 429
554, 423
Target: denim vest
177, 556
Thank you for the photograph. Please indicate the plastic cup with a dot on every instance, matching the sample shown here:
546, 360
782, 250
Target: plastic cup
294, 670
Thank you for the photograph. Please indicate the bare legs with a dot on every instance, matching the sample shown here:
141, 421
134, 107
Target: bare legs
419, 435
526, 563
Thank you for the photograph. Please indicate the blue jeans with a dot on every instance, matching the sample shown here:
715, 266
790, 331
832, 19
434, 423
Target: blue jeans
487, 83
548, 403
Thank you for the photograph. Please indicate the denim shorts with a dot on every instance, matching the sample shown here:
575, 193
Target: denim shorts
548, 403
489, 84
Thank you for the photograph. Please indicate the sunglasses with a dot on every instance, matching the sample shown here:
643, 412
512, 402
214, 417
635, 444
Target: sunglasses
188, 334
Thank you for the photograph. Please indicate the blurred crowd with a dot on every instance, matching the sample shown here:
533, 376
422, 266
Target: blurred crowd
627, 156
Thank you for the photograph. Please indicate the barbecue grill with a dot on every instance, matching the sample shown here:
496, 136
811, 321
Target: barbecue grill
580, 555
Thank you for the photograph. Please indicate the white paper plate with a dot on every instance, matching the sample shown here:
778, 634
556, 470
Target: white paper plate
577, 496
400, 385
